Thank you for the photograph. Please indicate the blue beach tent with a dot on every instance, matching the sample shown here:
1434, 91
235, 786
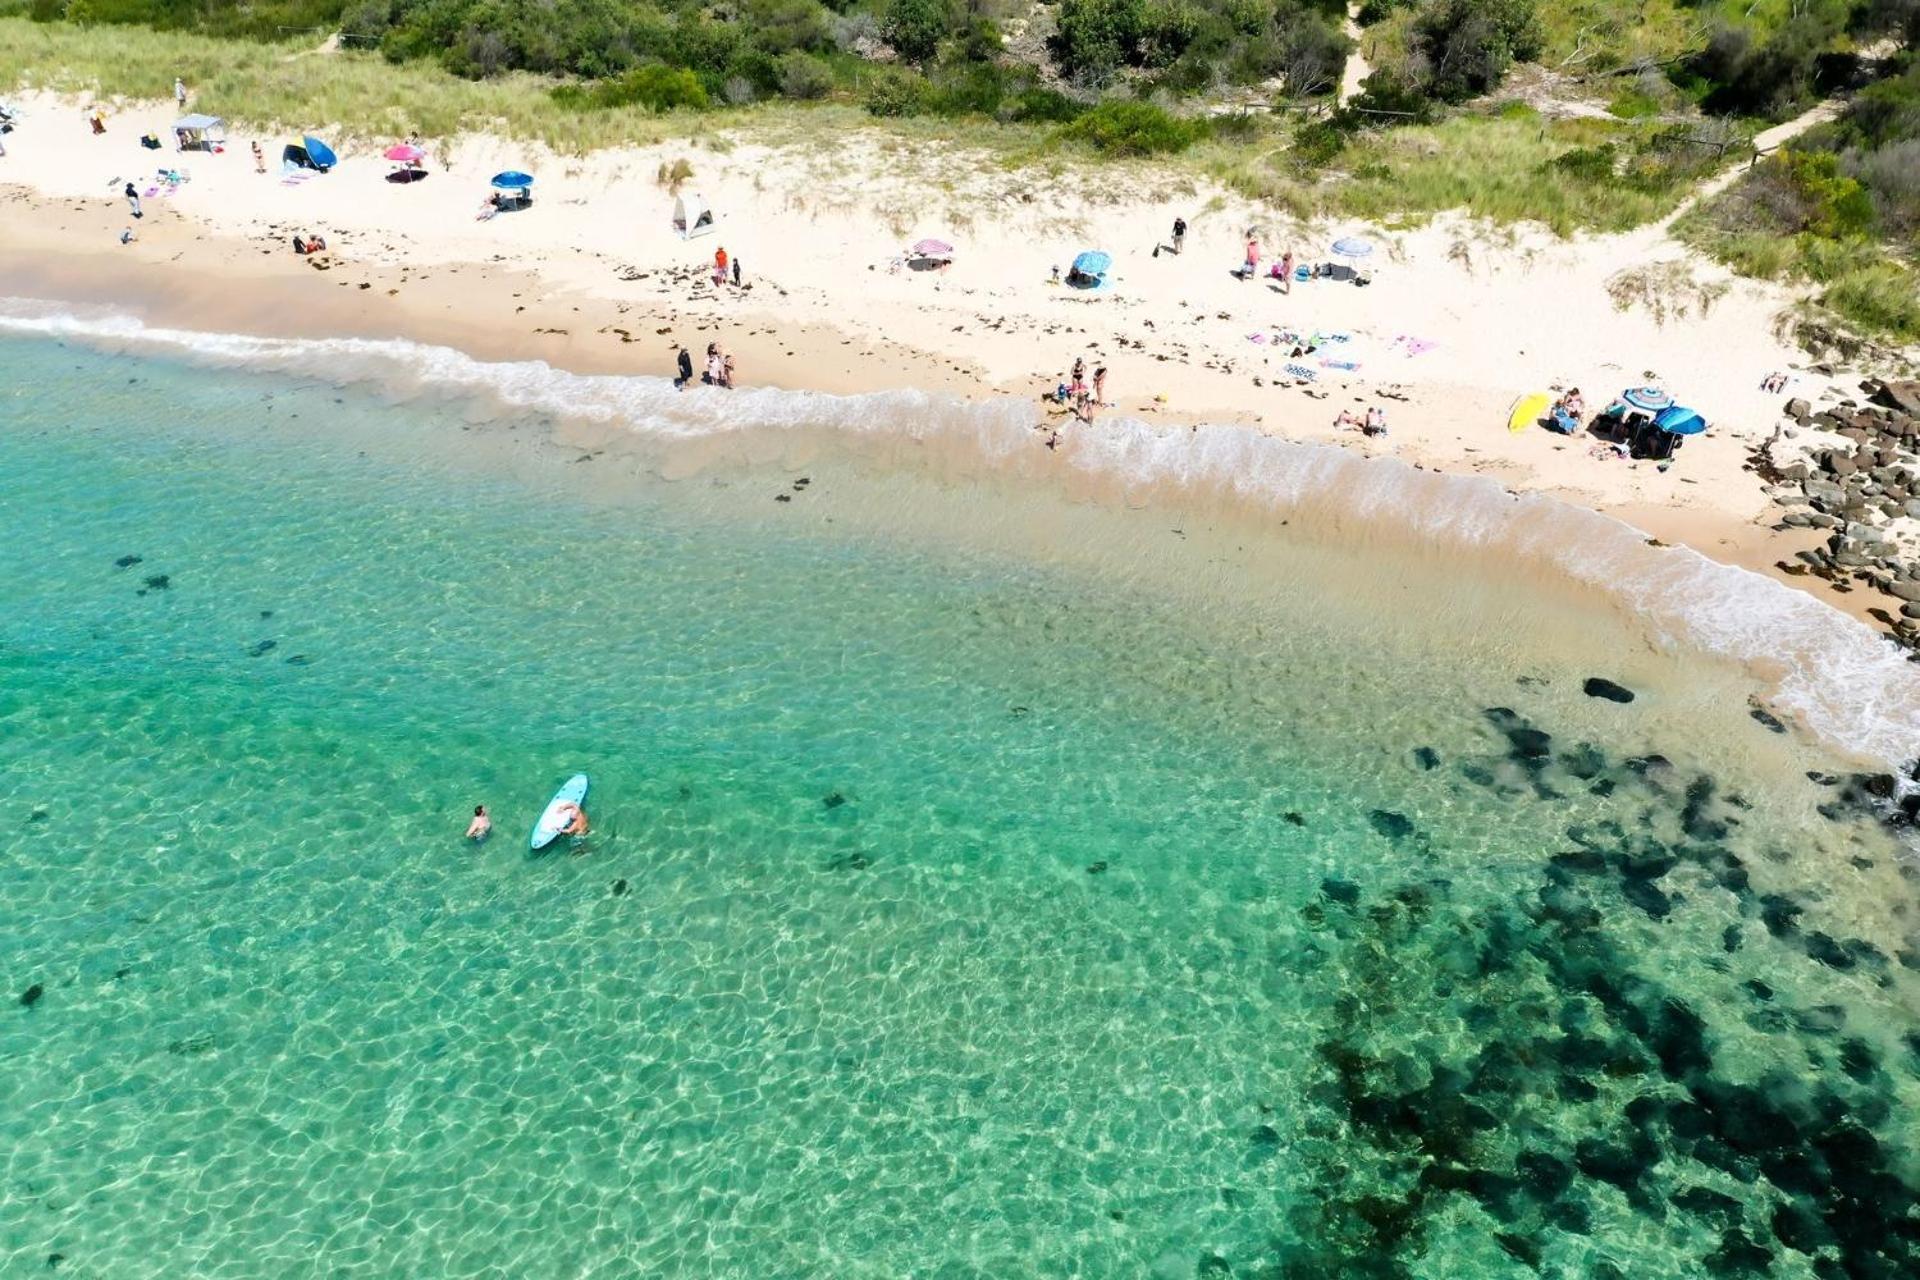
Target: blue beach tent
320, 153
1090, 271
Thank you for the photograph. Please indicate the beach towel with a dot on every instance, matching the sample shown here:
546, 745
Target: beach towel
1303, 373
1323, 338
1410, 346
1348, 366
1256, 337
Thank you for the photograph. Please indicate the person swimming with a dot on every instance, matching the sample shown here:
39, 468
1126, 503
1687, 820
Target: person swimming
573, 819
481, 825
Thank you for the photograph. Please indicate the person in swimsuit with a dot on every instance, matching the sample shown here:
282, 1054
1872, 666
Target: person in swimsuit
686, 369
477, 829
573, 819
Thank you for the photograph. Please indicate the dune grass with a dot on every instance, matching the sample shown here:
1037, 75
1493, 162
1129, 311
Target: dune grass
1509, 167
1501, 167
294, 85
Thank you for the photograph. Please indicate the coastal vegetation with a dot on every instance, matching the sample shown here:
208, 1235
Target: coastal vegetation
1838, 210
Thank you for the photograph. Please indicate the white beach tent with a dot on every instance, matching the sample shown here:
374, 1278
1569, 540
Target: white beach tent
199, 133
692, 216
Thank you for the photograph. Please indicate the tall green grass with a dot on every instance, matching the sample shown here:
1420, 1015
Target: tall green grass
1509, 167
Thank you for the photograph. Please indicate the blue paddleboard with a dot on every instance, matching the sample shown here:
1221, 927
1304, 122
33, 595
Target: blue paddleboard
544, 831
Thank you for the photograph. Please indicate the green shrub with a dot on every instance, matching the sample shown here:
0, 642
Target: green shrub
1316, 144
1095, 38
1470, 44
895, 94
1036, 104
1132, 129
804, 77
914, 27
1587, 164
657, 88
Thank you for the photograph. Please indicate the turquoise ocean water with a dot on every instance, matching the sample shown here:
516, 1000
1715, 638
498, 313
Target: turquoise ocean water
982, 884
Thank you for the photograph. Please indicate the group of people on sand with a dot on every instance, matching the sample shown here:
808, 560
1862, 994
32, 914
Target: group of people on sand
718, 372
1372, 423
722, 265
1083, 397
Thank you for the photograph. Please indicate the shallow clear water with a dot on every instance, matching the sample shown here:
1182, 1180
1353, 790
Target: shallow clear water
980, 886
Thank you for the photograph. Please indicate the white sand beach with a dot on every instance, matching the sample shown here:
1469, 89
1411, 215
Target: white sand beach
1458, 322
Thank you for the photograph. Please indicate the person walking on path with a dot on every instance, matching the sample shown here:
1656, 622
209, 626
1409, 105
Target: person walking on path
180, 92
133, 200
1286, 272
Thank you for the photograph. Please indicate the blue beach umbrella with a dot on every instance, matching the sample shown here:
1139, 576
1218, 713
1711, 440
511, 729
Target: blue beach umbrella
1092, 263
512, 180
1352, 247
1680, 421
1647, 399
320, 152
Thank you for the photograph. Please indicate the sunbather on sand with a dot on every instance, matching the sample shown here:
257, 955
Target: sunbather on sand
1346, 418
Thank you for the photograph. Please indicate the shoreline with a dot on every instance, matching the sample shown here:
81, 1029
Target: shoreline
209, 263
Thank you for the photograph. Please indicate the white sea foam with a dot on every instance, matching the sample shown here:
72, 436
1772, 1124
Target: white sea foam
1840, 679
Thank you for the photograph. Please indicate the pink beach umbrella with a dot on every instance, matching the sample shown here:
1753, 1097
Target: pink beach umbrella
933, 249
405, 153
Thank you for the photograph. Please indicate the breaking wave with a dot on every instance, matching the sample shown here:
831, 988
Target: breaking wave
1840, 679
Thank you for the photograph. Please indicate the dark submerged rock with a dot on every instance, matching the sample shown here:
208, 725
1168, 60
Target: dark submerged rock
1600, 687
1344, 892
619, 887
1096, 868
159, 582
31, 996
1739, 1256
833, 800
1427, 758
1394, 826
126, 562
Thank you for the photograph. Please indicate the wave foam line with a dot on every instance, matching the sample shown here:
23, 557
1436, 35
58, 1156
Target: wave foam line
1843, 681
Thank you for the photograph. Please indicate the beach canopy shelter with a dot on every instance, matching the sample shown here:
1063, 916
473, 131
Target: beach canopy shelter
294, 156
1680, 421
692, 216
200, 133
1528, 410
1090, 269
1352, 248
512, 189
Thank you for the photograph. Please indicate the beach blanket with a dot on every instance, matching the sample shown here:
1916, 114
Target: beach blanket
1410, 346
1349, 366
1303, 373
1322, 339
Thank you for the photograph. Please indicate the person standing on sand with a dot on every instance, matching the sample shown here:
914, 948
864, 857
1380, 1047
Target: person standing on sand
1179, 234
726, 370
686, 370
719, 267
1286, 272
1253, 259
98, 121
259, 158
133, 201
180, 92
736, 271
1100, 386
712, 375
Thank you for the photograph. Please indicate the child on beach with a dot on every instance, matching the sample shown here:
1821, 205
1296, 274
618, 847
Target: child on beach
726, 370
1286, 272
